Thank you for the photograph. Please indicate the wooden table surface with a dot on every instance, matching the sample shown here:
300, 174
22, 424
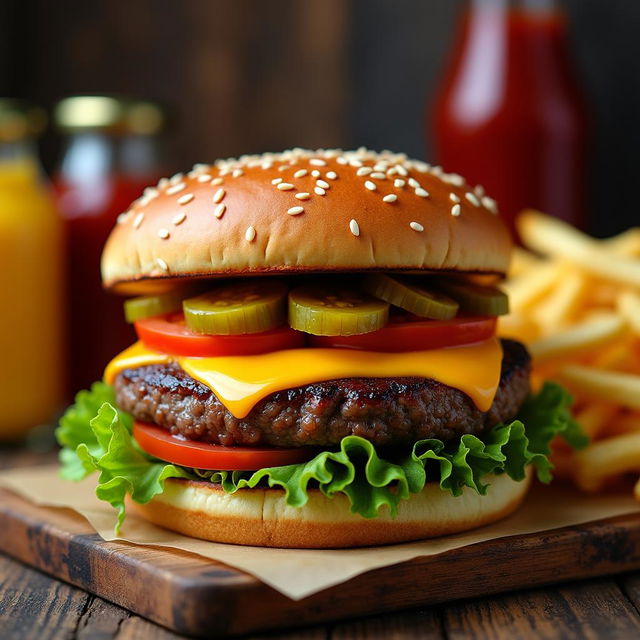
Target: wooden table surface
35, 606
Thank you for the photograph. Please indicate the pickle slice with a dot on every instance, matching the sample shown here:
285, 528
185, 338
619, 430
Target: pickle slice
332, 311
233, 308
147, 306
476, 299
411, 297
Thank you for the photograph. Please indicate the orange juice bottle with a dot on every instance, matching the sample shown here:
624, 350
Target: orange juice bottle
31, 288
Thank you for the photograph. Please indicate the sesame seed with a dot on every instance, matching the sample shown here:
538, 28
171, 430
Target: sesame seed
364, 171
163, 233
332, 175
123, 217
323, 184
315, 173
150, 193
204, 177
285, 186
162, 264
283, 167
342, 160
471, 197
250, 234
354, 227
303, 195
317, 162
399, 183
401, 170
266, 165
176, 188
319, 190
416, 226
216, 181
454, 197
294, 211
218, 212
413, 183
490, 204
300, 173
479, 189
455, 210
219, 195
277, 181
179, 219
378, 175
355, 162
176, 177
163, 182
370, 185
237, 173
138, 220
422, 193
186, 198
392, 197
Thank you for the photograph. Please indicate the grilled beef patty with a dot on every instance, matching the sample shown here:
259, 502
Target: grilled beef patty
387, 411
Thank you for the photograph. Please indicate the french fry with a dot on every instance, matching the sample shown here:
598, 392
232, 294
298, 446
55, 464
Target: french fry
556, 238
579, 310
563, 301
529, 288
611, 386
626, 243
628, 304
578, 338
595, 417
522, 261
606, 458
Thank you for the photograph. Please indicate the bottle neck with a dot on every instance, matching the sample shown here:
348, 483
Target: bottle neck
531, 7
18, 151
91, 156
19, 162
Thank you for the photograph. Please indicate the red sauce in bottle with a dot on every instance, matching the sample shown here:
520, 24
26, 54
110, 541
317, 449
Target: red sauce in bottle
509, 114
104, 168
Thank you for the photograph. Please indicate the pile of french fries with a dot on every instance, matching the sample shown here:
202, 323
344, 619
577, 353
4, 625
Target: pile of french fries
575, 301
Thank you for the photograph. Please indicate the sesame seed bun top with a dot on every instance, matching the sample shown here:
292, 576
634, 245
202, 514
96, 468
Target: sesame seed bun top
300, 210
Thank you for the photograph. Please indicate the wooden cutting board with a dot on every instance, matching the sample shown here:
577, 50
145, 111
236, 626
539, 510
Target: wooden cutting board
197, 596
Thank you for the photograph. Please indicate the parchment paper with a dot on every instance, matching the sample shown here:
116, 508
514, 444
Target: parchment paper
300, 573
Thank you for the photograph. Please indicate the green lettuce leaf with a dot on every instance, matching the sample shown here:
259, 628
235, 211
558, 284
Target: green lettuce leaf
96, 436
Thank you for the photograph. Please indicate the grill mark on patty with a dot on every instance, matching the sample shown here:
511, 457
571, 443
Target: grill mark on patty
386, 411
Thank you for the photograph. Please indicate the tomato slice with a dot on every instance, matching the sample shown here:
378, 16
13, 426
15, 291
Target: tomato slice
200, 455
170, 334
414, 335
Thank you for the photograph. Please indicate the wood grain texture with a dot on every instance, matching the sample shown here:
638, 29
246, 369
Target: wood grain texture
418, 625
593, 609
191, 594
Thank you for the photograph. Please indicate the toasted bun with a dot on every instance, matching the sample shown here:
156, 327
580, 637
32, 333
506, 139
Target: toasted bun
303, 211
262, 518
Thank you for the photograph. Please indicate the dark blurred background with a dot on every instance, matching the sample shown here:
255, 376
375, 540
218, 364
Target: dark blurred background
243, 75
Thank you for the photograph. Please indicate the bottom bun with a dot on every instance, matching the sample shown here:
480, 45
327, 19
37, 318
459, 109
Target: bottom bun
261, 517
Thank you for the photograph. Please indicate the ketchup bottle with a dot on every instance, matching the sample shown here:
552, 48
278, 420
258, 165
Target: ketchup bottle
509, 115
110, 155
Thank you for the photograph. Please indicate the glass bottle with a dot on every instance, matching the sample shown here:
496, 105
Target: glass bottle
509, 114
31, 278
111, 153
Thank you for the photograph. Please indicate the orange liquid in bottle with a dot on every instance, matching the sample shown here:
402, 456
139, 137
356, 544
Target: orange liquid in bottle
509, 115
31, 331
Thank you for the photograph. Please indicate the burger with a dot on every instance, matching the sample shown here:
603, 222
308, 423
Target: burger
317, 363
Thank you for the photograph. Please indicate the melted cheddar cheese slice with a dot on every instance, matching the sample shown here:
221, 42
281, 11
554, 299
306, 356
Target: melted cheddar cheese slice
240, 382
